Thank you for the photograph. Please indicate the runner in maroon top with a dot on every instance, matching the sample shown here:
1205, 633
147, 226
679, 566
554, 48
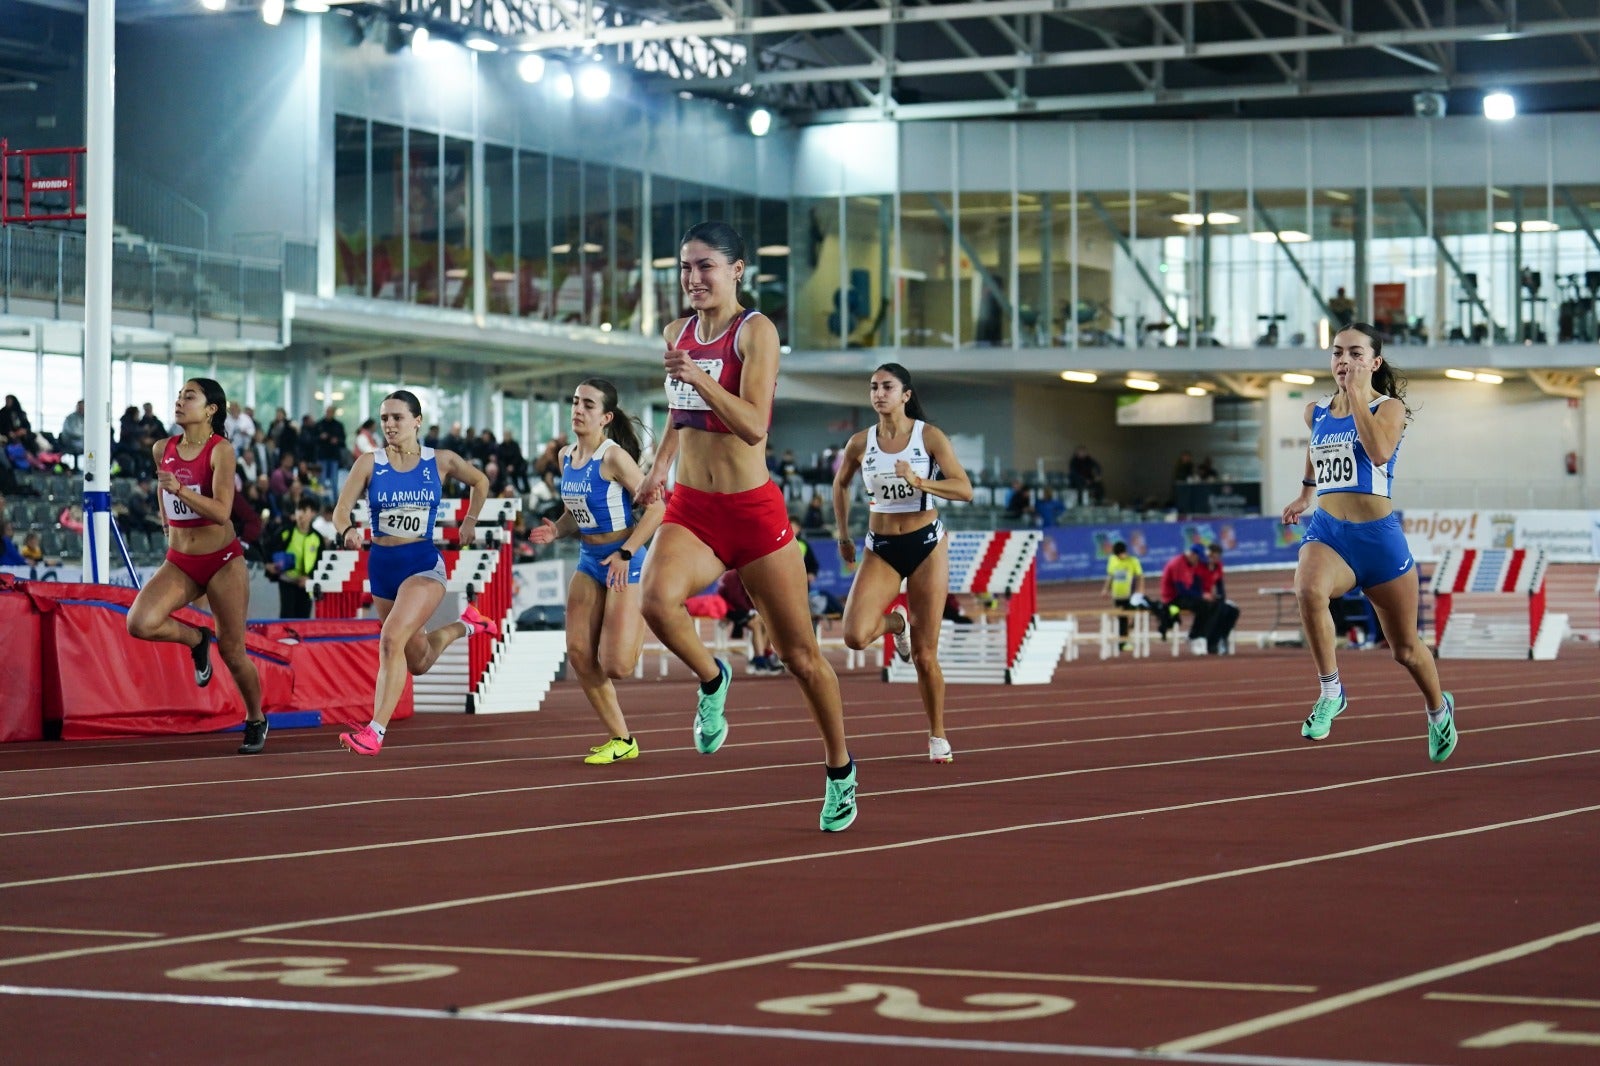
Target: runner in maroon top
195, 471
726, 513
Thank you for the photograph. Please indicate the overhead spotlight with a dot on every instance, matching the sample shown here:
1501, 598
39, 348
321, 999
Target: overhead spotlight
594, 82
1143, 384
312, 7
1458, 375
760, 121
272, 12
1488, 379
773, 250
479, 42
420, 38
213, 5
1428, 105
1499, 106
563, 83
1194, 390
531, 69
1299, 379
1082, 377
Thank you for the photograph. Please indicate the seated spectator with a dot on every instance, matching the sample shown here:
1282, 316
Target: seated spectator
1049, 509
31, 551
15, 427
151, 424
71, 518
743, 617
1207, 470
1083, 475
1186, 585
293, 549
70, 440
1184, 469
823, 603
280, 479
1224, 615
815, 521
142, 509
10, 554
1019, 504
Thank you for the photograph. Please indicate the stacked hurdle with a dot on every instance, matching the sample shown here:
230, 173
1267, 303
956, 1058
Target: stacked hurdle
1478, 613
1003, 563
469, 676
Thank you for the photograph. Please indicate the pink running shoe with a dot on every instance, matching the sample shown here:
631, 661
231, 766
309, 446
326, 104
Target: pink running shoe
362, 742
477, 623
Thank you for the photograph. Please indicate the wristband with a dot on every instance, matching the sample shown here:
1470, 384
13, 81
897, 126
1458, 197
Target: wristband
1308, 483
345, 534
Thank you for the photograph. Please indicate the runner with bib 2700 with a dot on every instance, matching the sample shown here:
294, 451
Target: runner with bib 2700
1354, 539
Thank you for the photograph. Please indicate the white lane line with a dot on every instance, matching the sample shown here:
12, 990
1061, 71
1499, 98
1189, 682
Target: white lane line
449, 949
605, 987
1518, 1001
457, 838
1067, 978
1278, 1019
1368, 696
1537, 723
566, 1021
667, 875
78, 932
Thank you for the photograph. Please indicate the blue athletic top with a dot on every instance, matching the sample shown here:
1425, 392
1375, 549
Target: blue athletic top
404, 504
1338, 461
597, 505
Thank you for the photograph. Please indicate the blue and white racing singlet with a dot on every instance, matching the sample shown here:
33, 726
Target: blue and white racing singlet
597, 505
1338, 461
404, 503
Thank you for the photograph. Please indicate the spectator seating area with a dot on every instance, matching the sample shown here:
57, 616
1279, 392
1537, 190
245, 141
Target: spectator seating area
57, 492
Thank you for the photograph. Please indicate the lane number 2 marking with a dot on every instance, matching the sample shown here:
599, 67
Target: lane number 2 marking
308, 971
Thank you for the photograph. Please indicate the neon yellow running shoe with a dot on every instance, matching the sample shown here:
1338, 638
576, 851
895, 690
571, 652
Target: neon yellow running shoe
614, 750
1319, 723
1442, 734
710, 724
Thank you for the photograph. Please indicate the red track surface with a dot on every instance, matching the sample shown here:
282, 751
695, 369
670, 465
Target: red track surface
1144, 855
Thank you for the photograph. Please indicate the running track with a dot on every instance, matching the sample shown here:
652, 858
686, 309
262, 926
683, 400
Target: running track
1142, 862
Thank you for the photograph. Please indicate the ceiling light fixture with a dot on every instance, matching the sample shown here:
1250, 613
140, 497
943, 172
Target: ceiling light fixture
531, 69
1287, 236
480, 43
760, 121
1143, 385
1299, 379
1084, 377
272, 12
1458, 375
1488, 379
1194, 390
1215, 218
594, 82
1499, 106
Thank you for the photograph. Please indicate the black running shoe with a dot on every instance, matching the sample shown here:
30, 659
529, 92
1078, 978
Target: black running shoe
201, 654
255, 737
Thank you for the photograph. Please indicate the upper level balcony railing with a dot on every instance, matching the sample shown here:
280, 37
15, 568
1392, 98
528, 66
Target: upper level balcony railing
163, 286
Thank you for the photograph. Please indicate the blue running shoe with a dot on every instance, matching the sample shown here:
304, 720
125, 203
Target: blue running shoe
1442, 734
1319, 723
710, 724
839, 803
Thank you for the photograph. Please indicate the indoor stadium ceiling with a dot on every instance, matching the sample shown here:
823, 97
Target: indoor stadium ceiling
866, 60
850, 60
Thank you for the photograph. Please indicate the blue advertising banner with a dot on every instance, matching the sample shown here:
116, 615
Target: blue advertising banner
1077, 553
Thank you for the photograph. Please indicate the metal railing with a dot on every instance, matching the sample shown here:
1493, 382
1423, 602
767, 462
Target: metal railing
153, 211
157, 280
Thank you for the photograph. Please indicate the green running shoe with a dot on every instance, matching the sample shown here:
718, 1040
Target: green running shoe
1319, 722
1442, 734
710, 724
839, 803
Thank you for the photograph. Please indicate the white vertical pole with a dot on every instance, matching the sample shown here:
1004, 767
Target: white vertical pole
100, 84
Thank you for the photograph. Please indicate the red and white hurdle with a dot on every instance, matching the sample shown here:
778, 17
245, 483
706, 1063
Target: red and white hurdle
1478, 612
481, 674
1000, 563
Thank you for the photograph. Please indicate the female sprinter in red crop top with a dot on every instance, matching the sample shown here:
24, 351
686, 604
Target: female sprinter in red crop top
195, 472
726, 513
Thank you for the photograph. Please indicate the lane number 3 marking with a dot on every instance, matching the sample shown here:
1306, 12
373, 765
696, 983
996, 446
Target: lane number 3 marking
903, 1004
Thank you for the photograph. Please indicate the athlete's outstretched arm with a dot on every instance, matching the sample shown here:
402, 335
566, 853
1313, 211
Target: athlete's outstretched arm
354, 487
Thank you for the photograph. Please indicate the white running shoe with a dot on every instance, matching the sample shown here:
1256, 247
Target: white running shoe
939, 750
902, 639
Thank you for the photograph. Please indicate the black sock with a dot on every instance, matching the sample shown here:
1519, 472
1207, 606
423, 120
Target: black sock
710, 687
839, 773
627, 739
